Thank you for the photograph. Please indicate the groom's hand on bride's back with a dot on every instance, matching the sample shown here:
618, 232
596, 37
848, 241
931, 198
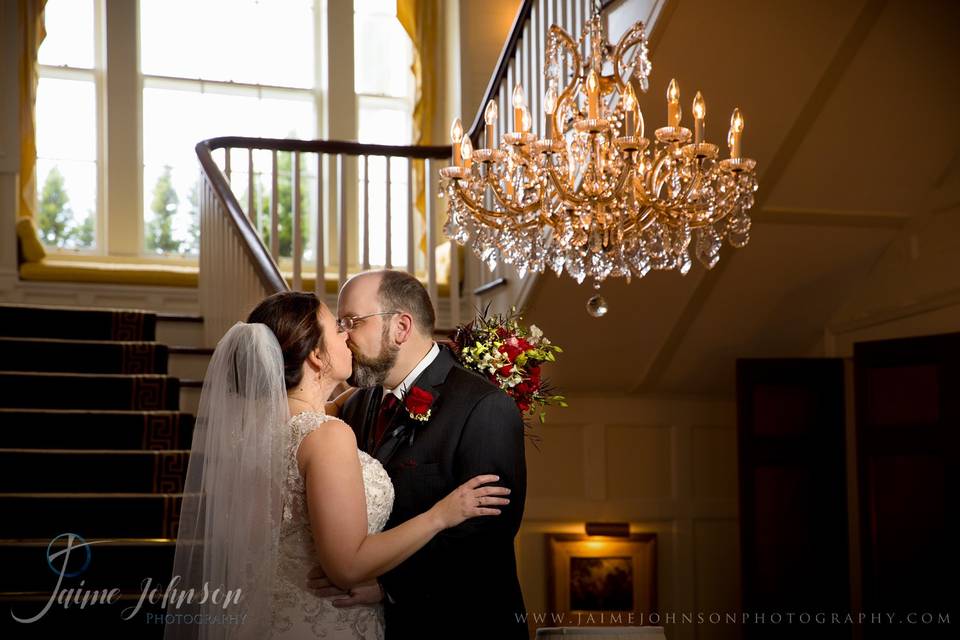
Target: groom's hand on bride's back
365, 593
318, 582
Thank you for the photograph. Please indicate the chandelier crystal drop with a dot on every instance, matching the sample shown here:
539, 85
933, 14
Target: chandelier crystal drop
593, 196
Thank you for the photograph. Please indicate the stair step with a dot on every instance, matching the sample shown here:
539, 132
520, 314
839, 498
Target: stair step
82, 356
91, 515
27, 321
63, 470
122, 563
88, 391
74, 429
180, 329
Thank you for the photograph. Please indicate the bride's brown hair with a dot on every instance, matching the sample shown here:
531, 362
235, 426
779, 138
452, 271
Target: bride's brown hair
292, 317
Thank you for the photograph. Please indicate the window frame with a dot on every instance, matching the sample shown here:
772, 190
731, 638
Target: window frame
96, 76
120, 211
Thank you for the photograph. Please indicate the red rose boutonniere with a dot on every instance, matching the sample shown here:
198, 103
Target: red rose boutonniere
417, 401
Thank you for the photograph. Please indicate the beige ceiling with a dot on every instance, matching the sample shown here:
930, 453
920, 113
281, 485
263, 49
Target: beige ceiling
850, 112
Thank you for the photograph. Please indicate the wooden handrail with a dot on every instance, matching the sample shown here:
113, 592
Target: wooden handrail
266, 268
343, 147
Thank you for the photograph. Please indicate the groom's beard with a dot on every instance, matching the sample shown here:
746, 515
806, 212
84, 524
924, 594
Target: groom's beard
368, 372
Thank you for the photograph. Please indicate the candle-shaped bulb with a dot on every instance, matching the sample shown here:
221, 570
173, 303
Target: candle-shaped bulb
593, 82
456, 131
699, 112
673, 104
490, 117
736, 132
736, 121
519, 99
550, 100
519, 102
673, 91
629, 98
549, 107
490, 113
699, 107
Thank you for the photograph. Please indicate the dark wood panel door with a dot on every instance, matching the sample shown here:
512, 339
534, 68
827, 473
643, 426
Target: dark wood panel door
793, 497
908, 430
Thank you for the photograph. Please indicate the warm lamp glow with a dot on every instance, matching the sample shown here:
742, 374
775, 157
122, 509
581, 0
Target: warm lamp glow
490, 113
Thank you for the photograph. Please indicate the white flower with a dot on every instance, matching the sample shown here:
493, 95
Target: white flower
535, 333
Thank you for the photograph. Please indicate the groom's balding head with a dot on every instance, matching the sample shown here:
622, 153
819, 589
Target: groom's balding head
390, 290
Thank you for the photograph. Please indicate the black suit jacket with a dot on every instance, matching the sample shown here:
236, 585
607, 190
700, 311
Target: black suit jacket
464, 582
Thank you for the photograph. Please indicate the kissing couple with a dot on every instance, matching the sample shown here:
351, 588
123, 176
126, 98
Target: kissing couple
389, 512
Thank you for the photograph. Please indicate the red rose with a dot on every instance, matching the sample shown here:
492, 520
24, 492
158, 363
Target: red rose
535, 376
505, 370
523, 406
514, 347
418, 401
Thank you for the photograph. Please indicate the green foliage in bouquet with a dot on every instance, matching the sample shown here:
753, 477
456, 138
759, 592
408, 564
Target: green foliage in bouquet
510, 355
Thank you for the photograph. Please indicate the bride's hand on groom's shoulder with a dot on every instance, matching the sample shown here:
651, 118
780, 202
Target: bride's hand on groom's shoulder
471, 499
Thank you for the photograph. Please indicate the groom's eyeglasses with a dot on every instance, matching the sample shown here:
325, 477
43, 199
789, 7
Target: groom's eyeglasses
349, 323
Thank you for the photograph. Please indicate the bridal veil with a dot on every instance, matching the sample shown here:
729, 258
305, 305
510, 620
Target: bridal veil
230, 517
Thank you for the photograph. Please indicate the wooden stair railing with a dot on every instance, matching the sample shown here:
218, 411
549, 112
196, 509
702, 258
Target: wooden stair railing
237, 268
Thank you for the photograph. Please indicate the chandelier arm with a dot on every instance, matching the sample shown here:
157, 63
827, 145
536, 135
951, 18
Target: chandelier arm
675, 202
566, 40
629, 39
510, 207
565, 195
488, 217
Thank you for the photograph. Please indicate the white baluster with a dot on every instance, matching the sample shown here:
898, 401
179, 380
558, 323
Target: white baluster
388, 261
251, 195
297, 240
342, 217
320, 284
366, 213
412, 213
274, 217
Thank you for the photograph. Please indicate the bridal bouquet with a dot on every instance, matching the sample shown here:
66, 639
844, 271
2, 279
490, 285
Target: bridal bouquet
510, 355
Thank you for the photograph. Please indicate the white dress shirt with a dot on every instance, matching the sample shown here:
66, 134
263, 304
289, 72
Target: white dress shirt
401, 389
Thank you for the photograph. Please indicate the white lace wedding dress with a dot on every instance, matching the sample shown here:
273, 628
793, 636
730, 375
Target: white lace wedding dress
297, 612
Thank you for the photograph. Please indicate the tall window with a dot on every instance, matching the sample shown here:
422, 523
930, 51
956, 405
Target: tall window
214, 68
67, 168
384, 84
207, 68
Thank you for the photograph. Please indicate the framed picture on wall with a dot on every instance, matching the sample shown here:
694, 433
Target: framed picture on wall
594, 574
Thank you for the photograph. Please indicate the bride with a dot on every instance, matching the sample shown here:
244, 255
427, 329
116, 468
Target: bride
275, 485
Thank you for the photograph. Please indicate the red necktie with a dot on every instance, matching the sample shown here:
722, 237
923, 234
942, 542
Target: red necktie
384, 417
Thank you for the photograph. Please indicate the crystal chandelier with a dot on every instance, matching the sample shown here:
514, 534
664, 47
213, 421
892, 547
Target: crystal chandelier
593, 196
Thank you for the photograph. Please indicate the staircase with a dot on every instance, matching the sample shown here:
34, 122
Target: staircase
94, 442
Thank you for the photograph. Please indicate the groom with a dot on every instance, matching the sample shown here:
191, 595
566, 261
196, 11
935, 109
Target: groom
463, 583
